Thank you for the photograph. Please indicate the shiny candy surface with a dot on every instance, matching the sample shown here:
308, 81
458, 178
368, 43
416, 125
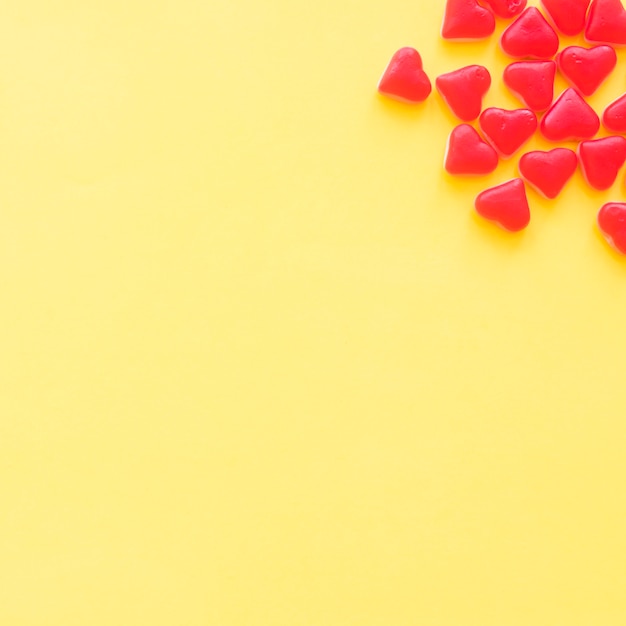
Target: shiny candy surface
505, 204
586, 68
601, 160
530, 36
532, 82
548, 172
468, 153
463, 90
570, 118
507, 130
404, 78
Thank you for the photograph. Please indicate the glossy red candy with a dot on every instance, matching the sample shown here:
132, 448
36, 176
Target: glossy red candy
466, 20
570, 118
532, 82
586, 68
530, 36
404, 79
506, 130
506, 8
468, 153
606, 22
612, 224
463, 90
614, 116
567, 15
548, 171
505, 204
601, 160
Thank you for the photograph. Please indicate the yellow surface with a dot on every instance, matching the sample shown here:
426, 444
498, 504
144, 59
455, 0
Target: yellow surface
261, 364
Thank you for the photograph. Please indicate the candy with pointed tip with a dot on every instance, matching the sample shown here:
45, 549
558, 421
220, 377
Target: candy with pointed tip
567, 15
532, 82
606, 22
601, 159
614, 116
507, 131
506, 9
404, 79
505, 204
569, 118
530, 36
612, 224
466, 20
547, 172
586, 68
468, 153
463, 90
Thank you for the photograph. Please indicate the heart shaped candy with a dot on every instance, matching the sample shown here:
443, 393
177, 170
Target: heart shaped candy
612, 224
506, 9
506, 130
531, 36
532, 82
468, 153
505, 204
601, 160
548, 171
570, 118
463, 90
568, 15
614, 116
404, 79
606, 22
466, 20
586, 68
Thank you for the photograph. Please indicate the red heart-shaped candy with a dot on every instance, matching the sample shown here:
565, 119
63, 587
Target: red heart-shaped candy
532, 82
548, 171
468, 153
531, 36
506, 130
614, 116
466, 20
601, 160
586, 68
612, 224
404, 79
606, 22
505, 204
506, 9
463, 90
569, 118
568, 15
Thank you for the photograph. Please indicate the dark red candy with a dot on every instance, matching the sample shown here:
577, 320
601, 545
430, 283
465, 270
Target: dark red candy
548, 171
606, 22
506, 8
570, 118
614, 116
532, 82
506, 130
601, 160
506, 205
567, 15
612, 224
468, 153
530, 36
404, 79
466, 20
586, 68
463, 90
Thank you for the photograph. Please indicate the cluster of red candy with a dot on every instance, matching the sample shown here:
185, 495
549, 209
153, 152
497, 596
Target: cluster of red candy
533, 40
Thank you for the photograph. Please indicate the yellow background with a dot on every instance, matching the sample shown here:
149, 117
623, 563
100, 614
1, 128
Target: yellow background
260, 362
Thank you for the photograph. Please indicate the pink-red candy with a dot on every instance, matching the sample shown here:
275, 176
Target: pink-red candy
506, 130
530, 36
506, 9
567, 15
586, 68
468, 153
601, 160
463, 90
532, 82
548, 171
614, 116
505, 204
404, 79
606, 22
612, 224
570, 118
466, 20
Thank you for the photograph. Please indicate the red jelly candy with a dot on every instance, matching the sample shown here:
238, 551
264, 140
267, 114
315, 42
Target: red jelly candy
530, 36
404, 79
568, 15
606, 22
466, 20
506, 130
601, 160
463, 90
548, 171
569, 118
506, 8
612, 224
586, 68
614, 116
505, 204
468, 153
532, 82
